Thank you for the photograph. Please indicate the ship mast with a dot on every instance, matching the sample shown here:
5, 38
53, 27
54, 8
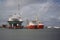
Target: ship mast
18, 7
37, 19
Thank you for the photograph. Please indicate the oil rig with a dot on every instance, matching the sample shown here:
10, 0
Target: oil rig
15, 20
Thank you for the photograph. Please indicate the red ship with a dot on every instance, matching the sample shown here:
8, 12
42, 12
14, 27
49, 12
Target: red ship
35, 25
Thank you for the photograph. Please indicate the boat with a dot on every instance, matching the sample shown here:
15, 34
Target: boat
35, 25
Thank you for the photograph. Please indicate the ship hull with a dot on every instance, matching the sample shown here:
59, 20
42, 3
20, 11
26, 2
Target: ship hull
40, 26
35, 27
31, 27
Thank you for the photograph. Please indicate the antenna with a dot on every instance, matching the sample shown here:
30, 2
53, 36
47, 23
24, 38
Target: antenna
37, 19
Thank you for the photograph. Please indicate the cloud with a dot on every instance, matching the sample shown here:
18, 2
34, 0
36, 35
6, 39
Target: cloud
9, 3
35, 9
47, 10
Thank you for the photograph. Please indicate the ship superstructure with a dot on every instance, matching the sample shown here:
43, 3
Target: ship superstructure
31, 25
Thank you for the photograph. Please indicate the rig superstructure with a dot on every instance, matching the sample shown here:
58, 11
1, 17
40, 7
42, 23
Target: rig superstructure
15, 21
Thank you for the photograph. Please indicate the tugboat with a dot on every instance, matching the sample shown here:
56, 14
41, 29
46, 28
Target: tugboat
35, 25
15, 22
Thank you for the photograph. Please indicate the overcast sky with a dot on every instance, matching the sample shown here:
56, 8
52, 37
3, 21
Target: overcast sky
47, 11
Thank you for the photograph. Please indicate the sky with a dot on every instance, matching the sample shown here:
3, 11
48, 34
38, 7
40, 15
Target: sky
47, 11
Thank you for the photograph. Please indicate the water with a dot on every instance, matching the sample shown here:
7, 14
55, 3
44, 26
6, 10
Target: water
29, 34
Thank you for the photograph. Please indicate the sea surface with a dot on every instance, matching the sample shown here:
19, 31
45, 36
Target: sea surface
29, 34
